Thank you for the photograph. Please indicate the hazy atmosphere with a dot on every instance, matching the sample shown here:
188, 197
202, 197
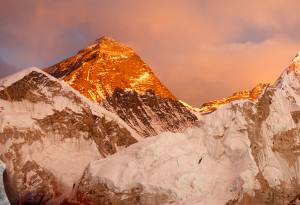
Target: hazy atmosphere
200, 50
90, 121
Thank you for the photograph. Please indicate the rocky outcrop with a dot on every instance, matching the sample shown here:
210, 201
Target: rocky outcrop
31, 184
101, 193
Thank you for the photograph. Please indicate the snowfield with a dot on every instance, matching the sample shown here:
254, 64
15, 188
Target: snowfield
189, 166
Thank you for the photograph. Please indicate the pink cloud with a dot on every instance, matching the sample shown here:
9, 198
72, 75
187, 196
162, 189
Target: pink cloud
215, 47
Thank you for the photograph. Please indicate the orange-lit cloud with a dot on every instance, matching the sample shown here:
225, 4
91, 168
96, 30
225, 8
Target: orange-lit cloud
200, 49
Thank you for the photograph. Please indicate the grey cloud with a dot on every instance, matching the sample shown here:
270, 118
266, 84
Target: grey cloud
6, 69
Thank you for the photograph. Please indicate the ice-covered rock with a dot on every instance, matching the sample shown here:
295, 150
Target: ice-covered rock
3, 197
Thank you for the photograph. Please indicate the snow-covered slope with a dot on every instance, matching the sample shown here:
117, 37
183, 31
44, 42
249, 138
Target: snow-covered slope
174, 168
48, 135
3, 197
246, 152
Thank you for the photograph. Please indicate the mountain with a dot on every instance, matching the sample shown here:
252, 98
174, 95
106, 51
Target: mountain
77, 137
49, 133
245, 152
114, 76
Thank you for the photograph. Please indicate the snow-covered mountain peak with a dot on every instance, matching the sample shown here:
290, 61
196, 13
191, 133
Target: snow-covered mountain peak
6, 81
290, 77
108, 41
109, 47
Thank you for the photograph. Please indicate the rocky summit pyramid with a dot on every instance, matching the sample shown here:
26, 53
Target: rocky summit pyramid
113, 75
104, 66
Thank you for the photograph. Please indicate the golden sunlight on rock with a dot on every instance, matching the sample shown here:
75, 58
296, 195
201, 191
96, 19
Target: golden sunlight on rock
247, 95
104, 66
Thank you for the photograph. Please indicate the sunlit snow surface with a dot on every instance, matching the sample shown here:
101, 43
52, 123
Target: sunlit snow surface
3, 198
189, 166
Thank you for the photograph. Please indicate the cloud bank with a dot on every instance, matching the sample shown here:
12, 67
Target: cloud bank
200, 49
6, 69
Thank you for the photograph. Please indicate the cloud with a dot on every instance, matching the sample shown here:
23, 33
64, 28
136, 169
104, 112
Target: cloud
6, 69
216, 47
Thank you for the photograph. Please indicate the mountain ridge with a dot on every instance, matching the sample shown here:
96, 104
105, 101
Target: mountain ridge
62, 147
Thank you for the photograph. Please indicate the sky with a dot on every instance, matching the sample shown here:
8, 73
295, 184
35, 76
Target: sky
200, 49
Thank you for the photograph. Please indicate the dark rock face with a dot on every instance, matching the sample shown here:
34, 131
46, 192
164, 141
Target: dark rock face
31, 184
108, 135
101, 194
149, 114
31, 88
